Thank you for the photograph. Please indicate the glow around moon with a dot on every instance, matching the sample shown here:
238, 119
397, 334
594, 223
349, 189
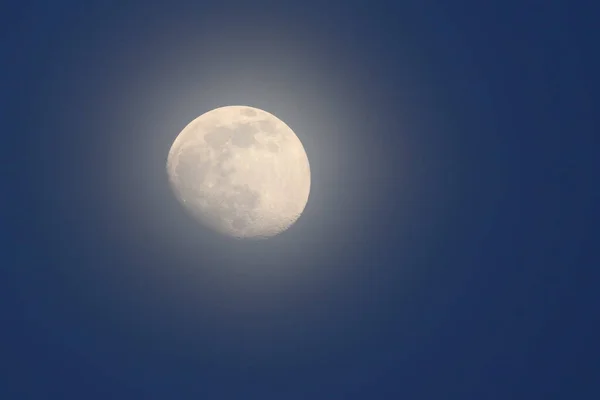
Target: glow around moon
241, 171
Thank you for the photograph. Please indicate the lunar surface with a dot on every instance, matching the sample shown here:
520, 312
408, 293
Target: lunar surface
241, 171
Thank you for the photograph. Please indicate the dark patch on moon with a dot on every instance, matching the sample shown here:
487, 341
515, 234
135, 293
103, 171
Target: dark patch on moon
272, 147
243, 135
221, 168
246, 197
236, 207
248, 112
267, 127
243, 198
218, 137
191, 170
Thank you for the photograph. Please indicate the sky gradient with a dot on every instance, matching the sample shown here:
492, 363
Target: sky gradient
448, 250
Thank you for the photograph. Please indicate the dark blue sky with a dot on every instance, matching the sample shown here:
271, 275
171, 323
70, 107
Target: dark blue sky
449, 249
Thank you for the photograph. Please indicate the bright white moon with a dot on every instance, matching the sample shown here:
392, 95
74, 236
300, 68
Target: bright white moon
241, 171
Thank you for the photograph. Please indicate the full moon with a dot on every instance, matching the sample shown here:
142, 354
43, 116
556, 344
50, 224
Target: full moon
241, 171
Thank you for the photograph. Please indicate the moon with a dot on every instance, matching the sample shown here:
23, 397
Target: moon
241, 171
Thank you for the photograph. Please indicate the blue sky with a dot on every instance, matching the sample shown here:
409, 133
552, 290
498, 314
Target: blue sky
448, 249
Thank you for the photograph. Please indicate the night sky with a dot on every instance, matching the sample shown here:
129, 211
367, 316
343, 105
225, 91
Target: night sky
448, 250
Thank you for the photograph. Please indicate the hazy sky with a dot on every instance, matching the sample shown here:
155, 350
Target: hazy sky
447, 250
